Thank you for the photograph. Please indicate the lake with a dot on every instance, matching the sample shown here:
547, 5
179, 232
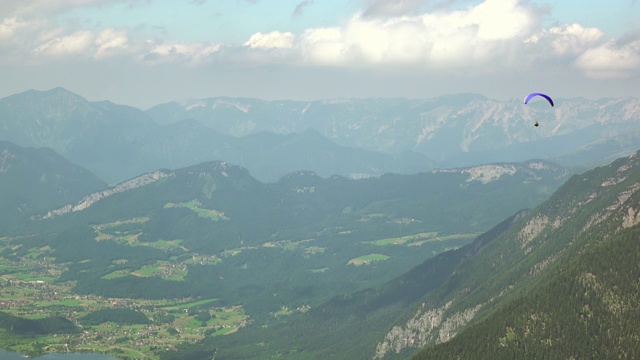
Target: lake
10, 355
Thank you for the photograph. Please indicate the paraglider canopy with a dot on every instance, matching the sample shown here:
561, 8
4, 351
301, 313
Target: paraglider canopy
532, 95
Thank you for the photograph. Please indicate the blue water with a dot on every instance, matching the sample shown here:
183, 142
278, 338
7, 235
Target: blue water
10, 355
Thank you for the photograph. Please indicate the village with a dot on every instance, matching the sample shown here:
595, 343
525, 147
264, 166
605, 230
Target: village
28, 290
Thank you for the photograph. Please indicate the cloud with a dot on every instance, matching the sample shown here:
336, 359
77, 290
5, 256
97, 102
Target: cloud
467, 37
397, 35
272, 40
83, 43
33, 33
75, 43
567, 39
323, 46
493, 36
9, 26
111, 42
299, 10
166, 52
613, 59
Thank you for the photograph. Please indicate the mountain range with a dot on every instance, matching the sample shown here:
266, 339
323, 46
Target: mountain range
424, 259
453, 130
118, 142
348, 137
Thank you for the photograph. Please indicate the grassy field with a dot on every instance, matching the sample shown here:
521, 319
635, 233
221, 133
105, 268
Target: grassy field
123, 232
444, 238
196, 206
367, 259
419, 239
187, 305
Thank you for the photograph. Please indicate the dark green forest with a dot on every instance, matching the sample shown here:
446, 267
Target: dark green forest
120, 316
48, 325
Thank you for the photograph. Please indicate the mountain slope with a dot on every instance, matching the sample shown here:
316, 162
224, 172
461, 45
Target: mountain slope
589, 309
33, 180
594, 208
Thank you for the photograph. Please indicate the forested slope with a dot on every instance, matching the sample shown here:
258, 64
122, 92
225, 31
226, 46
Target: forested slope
590, 308
562, 284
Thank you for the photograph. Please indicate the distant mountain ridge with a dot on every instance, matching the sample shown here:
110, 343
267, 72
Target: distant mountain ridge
349, 137
454, 130
119, 142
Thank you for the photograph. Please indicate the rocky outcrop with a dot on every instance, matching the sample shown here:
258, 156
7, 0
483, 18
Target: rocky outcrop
424, 327
91, 199
5, 160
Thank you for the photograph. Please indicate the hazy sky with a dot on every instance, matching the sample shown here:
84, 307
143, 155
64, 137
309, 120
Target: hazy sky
145, 52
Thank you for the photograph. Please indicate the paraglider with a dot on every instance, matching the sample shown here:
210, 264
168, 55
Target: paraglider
532, 95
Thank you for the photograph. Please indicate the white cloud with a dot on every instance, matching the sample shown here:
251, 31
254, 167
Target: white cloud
272, 40
389, 34
323, 46
9, 26
567, 39
453, 38
497, 19
76, 43
191, 53
34, 33
612, 59
111, 41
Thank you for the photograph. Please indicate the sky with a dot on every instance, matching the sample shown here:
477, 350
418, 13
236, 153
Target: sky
146, 52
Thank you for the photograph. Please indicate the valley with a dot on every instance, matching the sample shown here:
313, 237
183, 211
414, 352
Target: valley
32, 289
208, 250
